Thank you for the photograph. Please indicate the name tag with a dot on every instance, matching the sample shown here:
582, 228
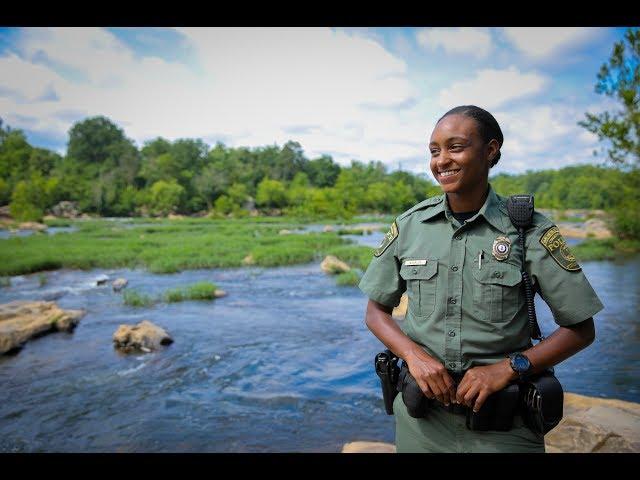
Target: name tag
415, 262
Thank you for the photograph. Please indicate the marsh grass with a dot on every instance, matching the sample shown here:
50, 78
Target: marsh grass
134, 298
165, 247
42, 279
5, 282
604, 249
197, 291
350, 278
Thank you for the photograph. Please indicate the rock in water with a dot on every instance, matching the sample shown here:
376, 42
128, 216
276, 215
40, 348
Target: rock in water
119, 283
219, 293
368, 447
332, 264
102, 279
22, 320
145, 336
38, 227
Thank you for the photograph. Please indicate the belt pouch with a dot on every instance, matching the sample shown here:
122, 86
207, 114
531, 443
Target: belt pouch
414, 399
497, 412
542, 402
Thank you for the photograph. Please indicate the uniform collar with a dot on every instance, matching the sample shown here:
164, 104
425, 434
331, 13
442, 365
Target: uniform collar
492, 210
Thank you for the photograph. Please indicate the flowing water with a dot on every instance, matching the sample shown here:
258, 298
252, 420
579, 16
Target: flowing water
284, 363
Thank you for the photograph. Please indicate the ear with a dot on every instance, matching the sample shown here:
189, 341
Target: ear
493, 147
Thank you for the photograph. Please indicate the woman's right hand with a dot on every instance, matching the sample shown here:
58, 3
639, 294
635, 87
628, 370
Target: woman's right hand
432, 377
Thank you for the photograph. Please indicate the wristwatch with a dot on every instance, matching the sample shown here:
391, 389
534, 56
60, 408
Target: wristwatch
520, 364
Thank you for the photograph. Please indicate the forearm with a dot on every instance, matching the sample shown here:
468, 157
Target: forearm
378, 319
560, 345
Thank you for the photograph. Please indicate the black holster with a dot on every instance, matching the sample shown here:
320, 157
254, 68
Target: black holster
542, 400
386, 365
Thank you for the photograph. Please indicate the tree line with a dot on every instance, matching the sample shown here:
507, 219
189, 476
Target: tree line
106, 174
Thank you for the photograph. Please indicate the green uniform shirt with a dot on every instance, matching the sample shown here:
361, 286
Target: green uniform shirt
467, 312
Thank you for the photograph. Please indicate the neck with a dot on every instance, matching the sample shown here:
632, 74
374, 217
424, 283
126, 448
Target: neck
468, 201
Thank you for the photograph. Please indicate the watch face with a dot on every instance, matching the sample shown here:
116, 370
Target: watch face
521, 363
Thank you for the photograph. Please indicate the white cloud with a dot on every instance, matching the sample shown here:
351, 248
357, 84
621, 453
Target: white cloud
542, 42
253, 85
465, 40
492, 88
543, 137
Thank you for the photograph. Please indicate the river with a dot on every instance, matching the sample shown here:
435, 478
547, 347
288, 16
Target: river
281, 364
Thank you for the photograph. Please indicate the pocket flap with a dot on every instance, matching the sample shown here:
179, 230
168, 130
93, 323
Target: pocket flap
419, 272
499, 274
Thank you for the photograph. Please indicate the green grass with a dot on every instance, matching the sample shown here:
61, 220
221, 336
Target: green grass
166, 246
605, 249
352, 277
197, 291
133, 298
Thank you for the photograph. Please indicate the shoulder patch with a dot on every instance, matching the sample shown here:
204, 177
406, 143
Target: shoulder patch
387, 240
558, 249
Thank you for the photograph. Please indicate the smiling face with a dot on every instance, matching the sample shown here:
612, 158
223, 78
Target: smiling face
460, 158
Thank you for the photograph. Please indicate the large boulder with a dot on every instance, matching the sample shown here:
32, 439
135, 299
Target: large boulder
66, 209
23, 320
332, 264
145, 336
593, 424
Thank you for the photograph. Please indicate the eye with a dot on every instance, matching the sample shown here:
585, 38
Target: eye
434, 151
456, 147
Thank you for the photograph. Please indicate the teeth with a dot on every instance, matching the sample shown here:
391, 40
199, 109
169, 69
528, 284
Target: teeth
448, 173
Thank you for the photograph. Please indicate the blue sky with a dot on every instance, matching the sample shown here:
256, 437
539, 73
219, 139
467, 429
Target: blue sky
354, 93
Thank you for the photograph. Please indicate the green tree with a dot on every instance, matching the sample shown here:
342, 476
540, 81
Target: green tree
619, 78
271, 194
165, 197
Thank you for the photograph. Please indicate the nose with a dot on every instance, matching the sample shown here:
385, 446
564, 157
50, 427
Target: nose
442, 161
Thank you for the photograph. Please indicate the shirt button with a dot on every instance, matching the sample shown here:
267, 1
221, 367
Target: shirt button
458, 237
454, 268
452, 333
452, 300
415, 270
452, 365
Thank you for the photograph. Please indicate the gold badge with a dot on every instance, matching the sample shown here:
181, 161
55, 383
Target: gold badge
388, 238
557, 247
501, 248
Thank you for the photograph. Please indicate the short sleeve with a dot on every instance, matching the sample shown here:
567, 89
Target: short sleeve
382, 281
560, 280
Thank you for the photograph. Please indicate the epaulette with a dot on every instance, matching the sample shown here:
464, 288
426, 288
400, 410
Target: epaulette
422, 205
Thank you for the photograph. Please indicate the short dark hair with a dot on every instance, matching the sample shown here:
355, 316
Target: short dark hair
487, 124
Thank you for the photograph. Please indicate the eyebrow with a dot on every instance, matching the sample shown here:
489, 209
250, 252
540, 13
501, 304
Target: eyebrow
451, 139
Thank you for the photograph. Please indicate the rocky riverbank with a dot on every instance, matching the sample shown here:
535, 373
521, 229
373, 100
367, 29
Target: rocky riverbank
589, 425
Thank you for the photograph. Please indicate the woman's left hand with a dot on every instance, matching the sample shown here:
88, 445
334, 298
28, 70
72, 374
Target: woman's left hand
480, 382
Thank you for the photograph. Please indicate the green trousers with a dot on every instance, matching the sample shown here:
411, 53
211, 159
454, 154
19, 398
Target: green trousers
446, 432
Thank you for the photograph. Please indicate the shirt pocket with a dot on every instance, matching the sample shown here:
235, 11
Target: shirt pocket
421, 287
497, 294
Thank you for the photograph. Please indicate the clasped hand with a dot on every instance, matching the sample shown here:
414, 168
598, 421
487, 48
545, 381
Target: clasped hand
474, 388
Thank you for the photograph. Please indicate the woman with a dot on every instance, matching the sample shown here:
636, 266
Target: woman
458, 258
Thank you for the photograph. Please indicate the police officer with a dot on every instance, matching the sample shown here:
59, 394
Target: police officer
457, 257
